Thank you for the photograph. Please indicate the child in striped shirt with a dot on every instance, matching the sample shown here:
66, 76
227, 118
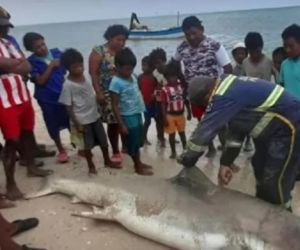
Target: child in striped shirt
173, 102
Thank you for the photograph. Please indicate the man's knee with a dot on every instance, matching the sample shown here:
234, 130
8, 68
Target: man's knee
273, 192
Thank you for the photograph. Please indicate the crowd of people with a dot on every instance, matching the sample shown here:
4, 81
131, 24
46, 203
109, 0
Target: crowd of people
199, 81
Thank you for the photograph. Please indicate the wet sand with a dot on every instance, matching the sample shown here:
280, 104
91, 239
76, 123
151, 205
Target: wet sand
58, 230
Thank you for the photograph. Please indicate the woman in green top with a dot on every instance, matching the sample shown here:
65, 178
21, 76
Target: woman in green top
102, 69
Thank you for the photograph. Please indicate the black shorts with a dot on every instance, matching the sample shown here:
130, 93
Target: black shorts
94, 135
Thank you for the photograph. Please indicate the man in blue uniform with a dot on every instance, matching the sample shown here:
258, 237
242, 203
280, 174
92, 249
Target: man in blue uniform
250, 106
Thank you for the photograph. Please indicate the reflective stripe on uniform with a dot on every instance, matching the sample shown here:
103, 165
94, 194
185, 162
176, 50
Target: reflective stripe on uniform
289, 156
272, 98
233, 144
261, 125
225, 84
196, 148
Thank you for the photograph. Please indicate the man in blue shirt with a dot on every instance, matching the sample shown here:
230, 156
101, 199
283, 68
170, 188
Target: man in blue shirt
290, 68
250, 106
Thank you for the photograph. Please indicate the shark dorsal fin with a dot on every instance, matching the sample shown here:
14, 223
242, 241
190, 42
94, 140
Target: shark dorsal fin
194, 181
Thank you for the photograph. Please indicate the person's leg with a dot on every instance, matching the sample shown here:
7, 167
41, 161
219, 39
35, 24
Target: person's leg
280, 171
180, 124
6, 243
27, 145
160, 126
9, 162
62, 156
147, 124
172, 146
95, 135
89, 158
139, 166
107, 161
183, 139
113, 136
248, 145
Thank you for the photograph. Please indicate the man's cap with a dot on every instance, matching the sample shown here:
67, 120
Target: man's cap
239, 45
198, 89
4, 18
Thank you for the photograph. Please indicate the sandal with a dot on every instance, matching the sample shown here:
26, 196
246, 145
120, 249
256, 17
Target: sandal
62, 157
24, 225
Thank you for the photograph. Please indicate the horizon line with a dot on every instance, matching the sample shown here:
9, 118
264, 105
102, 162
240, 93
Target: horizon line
167, 15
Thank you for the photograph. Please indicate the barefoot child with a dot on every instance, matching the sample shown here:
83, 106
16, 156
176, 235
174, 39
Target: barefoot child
48, 76
173, 101
158, 58
128, 106
147, 84
79, 98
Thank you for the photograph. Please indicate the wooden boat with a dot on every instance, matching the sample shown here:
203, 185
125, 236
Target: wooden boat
142, 32
171, 33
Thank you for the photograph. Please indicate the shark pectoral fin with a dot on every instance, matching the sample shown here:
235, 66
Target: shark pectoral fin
38, 194
106, 214
47, 189
75, 200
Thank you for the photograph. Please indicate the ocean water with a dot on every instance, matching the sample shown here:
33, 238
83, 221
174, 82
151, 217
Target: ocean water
226, 27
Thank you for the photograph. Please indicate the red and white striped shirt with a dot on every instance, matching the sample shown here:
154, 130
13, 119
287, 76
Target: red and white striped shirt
172, 95
13, 90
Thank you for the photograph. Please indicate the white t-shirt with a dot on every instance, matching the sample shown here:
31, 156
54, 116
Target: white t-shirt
81, 96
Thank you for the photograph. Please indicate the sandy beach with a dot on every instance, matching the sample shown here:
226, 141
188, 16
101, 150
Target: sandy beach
58, 230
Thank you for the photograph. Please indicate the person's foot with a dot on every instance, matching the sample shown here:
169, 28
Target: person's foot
111, 164
173, 155
211, 153
162, 143
62, 157
5, 203
146, 166
143, 171
43, 153
37, 163
93, 171
248, 147
124, 151
147, 143
13, 193
35, 172
116, 158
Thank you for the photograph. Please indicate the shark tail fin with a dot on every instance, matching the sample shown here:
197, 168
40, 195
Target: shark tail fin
48, 188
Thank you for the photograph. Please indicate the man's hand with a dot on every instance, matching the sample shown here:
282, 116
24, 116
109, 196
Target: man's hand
100, 98
225, 175
55, 63
79, 127
123, 129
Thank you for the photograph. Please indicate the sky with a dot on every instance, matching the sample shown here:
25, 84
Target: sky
25, 12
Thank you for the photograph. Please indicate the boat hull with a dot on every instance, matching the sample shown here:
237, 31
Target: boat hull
172, 33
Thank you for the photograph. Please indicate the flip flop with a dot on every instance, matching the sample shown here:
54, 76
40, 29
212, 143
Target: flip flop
24, 247
24, 225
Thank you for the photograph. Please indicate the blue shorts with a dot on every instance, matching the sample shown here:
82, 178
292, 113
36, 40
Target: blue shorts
133, 140
150, 111
56, 118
